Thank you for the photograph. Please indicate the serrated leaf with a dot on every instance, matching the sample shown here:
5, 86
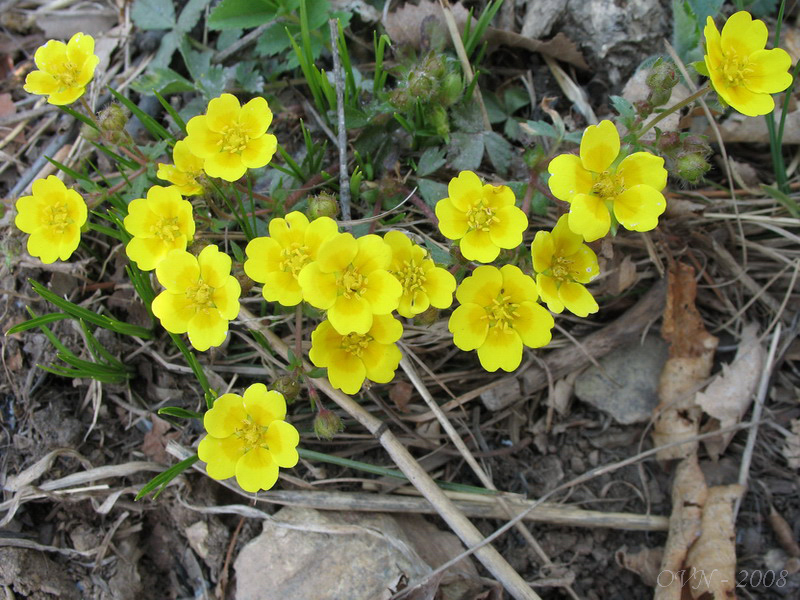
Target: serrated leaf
623, 107
153, 14
466, 151
467, 117
494, 108
191, 14
164, 81
685, 30
439, 256
248, 77
169, 43
430, 161
499, 151
274, 39
355, 118
703, 9
232, 14
431, 191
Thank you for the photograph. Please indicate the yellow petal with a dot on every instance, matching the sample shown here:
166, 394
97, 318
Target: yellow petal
380, 361
542, 251
577, 299
226, 416
746, 102
382, 292
589, 217
80, 48
319, 231
324, 340
256, 470
319, 289
465, 190
148, 252
256, 117
385, 329
643, 168
498, 196
373, 254
263, 257
282, 439
185, 159
477, 245
452, 221
518, 286
259, 151
222, 112
337, 253
263, 405
207, 328
713, 56
141, 221
439, 286
639, 207
51, 57
583, 265
174, 311
506, 232
202, 142
400, 245
350, 315
225, 165
568, 177
41, 83
768, 71
65, 96
502, 349
534, 324
346, 372
743, 35
215, 266
226, 298
565, 242
221, 454
87, 70
469, 326
178, 271
599, 147
481, 287
548, 290
284, 288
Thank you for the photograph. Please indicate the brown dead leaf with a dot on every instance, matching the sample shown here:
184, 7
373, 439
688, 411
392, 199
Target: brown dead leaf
155, 441
729, 396
7, 106
791, 447
622, 277
712, 557
783, 533
560, 47
400, 394
646, 563
689, 494
691, 356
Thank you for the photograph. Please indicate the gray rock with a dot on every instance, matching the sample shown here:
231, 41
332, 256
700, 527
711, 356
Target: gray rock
504, 394
626, 386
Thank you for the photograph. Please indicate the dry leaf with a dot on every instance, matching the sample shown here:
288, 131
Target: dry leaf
7, 106
689, 494
712, 558
400, 394
646, 563
729, 396
623, 277
560, 47
791, 448
738, 128
783, 532
155, 440
691, 356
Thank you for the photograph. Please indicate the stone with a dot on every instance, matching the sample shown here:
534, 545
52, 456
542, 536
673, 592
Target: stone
502, 395
626, 385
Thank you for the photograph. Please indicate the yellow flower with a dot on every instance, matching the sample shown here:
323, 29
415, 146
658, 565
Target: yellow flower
350, 280
53, 216
498, 314
276, 261
231, 138
483, 217
185, 172
249, 438
201, 295
354, 357
64, 69
600, 183
159, 223
564, 263
424, 284
742, 72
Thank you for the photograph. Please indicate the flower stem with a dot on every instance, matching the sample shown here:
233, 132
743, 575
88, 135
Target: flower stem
672, 109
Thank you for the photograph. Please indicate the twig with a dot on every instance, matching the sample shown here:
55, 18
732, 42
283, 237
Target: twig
469, 534
344, 180
747, 455
245, 41
223, 578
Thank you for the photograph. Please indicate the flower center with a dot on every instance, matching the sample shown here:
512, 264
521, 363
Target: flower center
67, 75
355, 343
352, 282
200, 295
560, 268
608, 185
294, 258
251, 434
411, 276
57, 217
480, 217
167, 229
735, 69
234, 139
501, 312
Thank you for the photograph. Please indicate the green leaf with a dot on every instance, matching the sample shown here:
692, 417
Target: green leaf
248, 77
701, 68
153, 14
430, 161
162, 479
439, 256
466, 151
515, 98
169, 43
233, 14
788, 202
703, 9
37, 322
541, 128
274, 39
317, 373
176, 411
155, 128
431, 191
163, 80
191, 14
499, 151
623, 107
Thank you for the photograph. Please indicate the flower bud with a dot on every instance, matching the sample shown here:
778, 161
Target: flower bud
659, 97
287, 385
90, 133
668, 141
451, 89
644, 108
691, 167
427, 318
327, 424
663, 77
400, 99
420, 86
113, 117
438, 118
323, 205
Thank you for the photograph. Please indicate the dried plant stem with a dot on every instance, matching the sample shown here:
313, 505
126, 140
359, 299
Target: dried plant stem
461, 526
338, 78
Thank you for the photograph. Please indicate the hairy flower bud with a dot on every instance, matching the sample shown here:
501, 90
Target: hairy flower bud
289, 386
327, 424
438, 118
691, 167
451, 89
323, 205
663, 76
112, 120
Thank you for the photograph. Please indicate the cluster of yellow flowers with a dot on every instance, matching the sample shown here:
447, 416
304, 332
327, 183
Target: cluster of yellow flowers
361, 282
